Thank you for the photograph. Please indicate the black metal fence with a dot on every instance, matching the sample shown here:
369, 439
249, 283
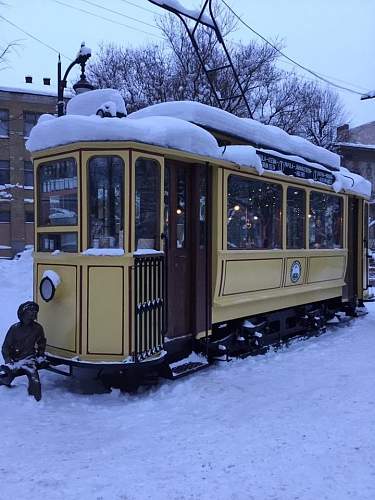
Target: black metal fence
150, 305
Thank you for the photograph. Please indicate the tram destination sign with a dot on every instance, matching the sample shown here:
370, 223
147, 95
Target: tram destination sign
288, 167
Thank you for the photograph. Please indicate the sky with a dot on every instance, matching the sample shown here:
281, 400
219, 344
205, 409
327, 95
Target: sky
335, 38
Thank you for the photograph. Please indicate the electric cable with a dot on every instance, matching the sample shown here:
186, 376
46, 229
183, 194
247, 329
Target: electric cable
34, 37
140, 7
118, 13
317, 75
107, 19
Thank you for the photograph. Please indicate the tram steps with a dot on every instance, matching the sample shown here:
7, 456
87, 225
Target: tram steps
187, 366
187, 369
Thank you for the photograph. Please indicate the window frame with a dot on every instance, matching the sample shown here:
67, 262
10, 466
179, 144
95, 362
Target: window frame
251, 178
4, 204
125, 208
28, 171
7, 169
305, 218
159, 166
7, 121
343, 238
36, 114
59, 227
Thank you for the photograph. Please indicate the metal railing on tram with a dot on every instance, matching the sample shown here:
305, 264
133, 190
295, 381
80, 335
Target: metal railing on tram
149, 272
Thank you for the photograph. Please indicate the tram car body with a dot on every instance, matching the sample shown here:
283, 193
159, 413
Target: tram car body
182, 227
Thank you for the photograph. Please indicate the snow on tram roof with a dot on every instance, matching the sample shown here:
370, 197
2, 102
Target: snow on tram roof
174, 133
258, 134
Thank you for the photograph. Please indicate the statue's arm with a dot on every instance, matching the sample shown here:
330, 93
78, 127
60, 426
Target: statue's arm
6, 350
41, 342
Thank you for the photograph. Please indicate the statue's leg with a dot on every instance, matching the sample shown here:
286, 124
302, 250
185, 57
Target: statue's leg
34, 388
7, 375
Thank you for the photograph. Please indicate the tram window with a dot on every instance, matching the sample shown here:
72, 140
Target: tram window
254, 214
147, 204
202, 207
325, 220
106, 202
181, 209
66, 242
58, 205
296, 216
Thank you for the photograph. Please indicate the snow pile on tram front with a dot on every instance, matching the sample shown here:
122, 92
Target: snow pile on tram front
158, 130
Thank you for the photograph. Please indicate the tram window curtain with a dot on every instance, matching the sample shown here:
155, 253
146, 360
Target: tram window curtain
58, 196
147, 204
106, 202
325, 221
296, 217
254, 214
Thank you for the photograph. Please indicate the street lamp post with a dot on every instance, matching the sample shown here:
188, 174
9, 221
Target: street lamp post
81, 86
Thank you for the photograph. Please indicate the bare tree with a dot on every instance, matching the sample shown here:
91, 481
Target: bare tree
172, 71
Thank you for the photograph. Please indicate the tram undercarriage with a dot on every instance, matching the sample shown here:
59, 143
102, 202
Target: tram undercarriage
234, 339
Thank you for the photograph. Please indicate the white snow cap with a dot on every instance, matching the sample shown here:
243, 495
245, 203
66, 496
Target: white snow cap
53, 276
193, 13
258, 134
84, 51
89, 103
159, 130
185, 135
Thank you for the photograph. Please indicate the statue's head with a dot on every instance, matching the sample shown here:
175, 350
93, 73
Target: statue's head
28, 312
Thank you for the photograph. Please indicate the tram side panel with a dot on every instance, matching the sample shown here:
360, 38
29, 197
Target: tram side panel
250, 282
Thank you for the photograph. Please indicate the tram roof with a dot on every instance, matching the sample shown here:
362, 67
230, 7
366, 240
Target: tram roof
245, 129
181, 134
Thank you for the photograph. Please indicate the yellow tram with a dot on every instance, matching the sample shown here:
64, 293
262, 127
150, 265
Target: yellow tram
182, 227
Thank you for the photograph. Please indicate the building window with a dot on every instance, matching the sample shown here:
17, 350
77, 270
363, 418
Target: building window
30, 119
65, 242
4, 123
106, 202
4, 172
4, 212
325, 220
254, 214
29, 216
28, 173
58, 205
147, 204
296, 217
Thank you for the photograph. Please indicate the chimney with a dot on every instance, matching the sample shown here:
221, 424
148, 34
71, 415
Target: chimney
46, 81
28, 79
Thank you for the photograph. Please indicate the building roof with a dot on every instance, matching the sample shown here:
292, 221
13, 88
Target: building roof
31, 88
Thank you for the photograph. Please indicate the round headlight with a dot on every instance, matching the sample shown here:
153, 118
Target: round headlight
47, 289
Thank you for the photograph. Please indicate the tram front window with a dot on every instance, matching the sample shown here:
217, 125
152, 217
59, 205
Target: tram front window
106, 205
58, 205
147, 204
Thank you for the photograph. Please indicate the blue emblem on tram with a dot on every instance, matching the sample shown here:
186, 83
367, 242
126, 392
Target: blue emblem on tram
295, 271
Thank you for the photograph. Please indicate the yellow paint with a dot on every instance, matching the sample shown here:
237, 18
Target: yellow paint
249, 275
105, 310
326, 268
59, 316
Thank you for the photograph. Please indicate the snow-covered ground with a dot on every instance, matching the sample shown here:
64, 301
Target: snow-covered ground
295, 424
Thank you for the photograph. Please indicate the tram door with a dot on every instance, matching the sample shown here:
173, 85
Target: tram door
351, 277
188, 248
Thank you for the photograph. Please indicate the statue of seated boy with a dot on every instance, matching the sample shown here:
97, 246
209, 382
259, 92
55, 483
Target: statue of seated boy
23, 350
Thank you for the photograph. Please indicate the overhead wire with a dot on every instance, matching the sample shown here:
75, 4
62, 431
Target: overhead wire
118, 13
305, 68
140, 7
106, 19
34, 37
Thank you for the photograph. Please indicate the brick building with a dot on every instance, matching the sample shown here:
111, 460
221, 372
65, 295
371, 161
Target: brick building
20, 109
357, 148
